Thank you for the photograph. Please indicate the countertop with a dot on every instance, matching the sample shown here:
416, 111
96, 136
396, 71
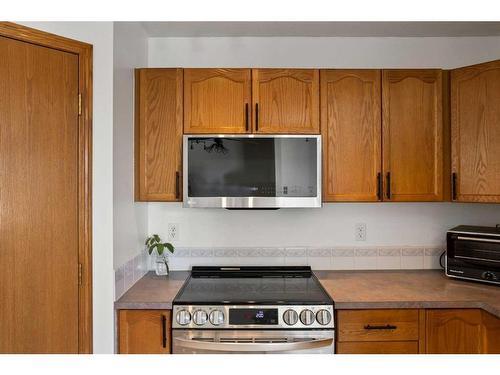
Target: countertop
349, 290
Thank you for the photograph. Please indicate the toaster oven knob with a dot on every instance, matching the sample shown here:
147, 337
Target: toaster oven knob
307, 317
183, 317
488, 276
216, 317
323, 317
200, 317
290, 317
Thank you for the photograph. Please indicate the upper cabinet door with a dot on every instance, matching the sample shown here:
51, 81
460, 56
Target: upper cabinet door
158, 134
412, 135
475, 128
217, 100
351, 129
286, 101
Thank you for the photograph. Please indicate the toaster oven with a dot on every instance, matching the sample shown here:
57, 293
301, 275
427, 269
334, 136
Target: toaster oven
473, 253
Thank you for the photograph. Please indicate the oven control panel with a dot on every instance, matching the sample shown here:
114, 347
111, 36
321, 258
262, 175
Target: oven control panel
253, 316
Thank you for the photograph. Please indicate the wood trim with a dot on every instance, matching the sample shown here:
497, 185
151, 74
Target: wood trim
84, 52
421, 332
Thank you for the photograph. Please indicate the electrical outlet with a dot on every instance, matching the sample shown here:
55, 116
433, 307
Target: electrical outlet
360, 232
173, 232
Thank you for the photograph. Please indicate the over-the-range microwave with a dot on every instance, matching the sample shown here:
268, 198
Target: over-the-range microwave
252, 171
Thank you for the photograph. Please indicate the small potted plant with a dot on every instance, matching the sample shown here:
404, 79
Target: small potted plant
154, 244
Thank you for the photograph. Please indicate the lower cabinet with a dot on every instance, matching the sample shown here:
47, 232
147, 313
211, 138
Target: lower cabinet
412, 331
462, 331
144, 331
379, 331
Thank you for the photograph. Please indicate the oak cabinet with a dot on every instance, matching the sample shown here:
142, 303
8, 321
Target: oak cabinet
217, 100
351, 131
413, 135
144, 331
385, 331
158, 134
453, 331
285, 101
411, 331
475, 128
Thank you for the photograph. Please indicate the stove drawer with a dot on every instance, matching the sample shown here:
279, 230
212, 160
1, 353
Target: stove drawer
378, 325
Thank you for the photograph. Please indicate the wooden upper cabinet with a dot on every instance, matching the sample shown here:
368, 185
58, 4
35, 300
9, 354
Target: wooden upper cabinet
158, 134
285, 101
144, 331
413, 135
453, 331
475, 128
351, 130
217, 100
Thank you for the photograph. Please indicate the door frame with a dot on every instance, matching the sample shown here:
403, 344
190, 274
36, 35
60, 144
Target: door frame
84, 53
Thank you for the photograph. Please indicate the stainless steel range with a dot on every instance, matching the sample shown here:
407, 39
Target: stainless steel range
253, 310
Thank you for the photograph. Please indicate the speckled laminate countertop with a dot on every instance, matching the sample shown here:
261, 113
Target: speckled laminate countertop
349, 290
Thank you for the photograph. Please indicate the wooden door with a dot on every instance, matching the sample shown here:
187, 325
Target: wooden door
351, 130
490, 333
453, 331
286, 101
412, 135
217, 100
39, 184
475, 126
158, 135
144, 331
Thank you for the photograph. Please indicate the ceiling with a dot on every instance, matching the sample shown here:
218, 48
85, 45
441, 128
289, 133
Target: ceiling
324, 29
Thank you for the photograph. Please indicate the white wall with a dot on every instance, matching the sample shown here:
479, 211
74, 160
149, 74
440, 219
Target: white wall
129, 218
322, 52
100, 35
389, 224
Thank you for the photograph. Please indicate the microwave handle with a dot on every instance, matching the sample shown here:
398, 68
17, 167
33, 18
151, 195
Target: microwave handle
477, 239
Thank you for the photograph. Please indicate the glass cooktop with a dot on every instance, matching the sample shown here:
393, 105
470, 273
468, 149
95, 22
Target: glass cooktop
252, 285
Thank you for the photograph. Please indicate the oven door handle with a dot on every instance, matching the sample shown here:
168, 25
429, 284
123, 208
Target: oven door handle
253, 347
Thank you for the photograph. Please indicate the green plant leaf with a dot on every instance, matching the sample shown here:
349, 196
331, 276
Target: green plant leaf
169, 246
157, 238
160, 248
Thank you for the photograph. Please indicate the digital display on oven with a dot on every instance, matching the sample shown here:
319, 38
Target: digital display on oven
253, 316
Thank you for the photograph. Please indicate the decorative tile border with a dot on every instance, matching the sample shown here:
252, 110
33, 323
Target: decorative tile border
129, 273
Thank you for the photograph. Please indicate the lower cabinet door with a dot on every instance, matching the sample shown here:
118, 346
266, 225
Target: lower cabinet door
453, 331
378, 347
144, 331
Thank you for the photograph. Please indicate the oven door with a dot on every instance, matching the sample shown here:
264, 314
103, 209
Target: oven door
252, 341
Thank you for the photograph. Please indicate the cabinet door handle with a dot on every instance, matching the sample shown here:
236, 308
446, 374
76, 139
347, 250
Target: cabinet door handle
256, 116
177, 187
164, 330
388, 183
379, 187
246, 116
387, 326
454, 186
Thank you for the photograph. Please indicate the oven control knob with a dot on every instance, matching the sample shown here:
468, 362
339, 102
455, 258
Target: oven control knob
307, 317
200, 317
216, 317
323, 317
290, 317
183, 317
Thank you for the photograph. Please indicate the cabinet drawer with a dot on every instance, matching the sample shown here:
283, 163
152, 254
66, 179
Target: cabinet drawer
377, 325
378, 347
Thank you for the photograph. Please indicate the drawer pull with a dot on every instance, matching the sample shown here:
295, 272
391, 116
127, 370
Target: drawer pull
387, 326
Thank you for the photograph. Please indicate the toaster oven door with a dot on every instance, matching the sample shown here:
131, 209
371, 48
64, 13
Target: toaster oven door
482, 252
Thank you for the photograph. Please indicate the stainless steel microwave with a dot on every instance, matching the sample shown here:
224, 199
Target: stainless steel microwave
252, 171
